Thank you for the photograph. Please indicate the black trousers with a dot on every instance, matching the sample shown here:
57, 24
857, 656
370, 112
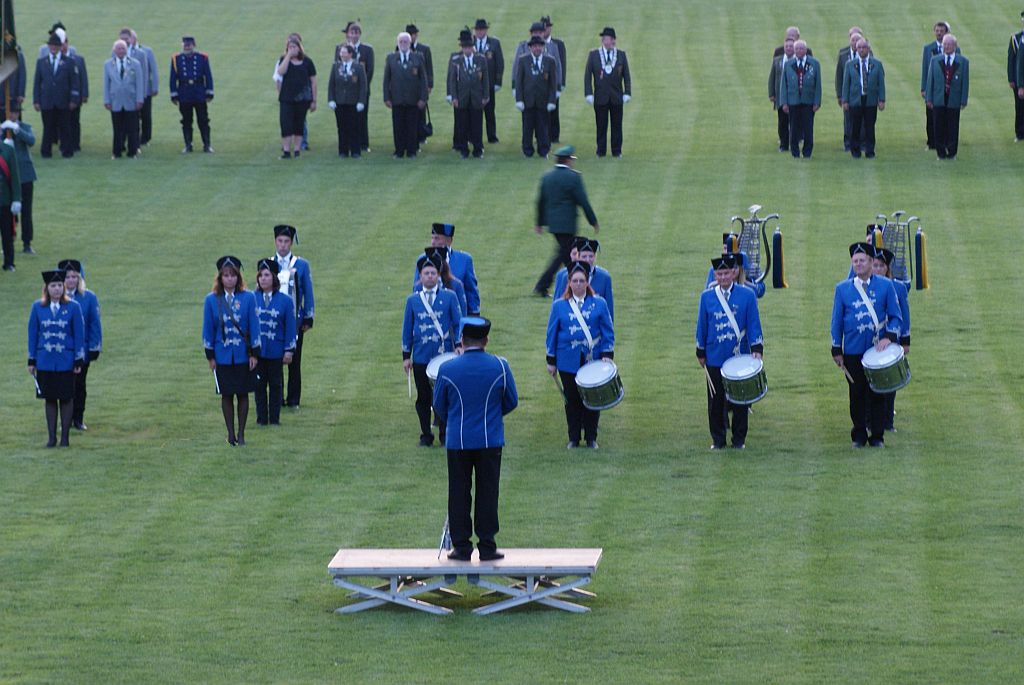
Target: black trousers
469, 123
535, 123
718, 409
347, 119
947, 131
7, 234
76, 128
862, 122
486, 463
363, 129
405, 122
801, 127
929, 126
577, 417
78, 412
424, 402
27, 189
1018, 117
126, 127
867, 407
848, 136
269, 390
295, 373
202, 118
56, 129
554, 124
492, 125
604, 113
783, 118
421, 126
146, 120
563, 245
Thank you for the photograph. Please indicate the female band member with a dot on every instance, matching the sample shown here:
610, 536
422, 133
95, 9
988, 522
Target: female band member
231, 339
882, 266
276, 314
56, 352
74, 286
579, 330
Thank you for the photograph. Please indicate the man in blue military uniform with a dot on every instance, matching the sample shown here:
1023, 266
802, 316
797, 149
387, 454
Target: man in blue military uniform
865, 314
297, 283
728, 324
585, 250
473, 393
191, 88
800, 96
430, 327
731, 245
460, 263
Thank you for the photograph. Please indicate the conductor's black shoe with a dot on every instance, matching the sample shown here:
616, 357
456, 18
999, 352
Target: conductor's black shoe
208, 149
490, 556
240, 442
286, 155
8, 267
456, 555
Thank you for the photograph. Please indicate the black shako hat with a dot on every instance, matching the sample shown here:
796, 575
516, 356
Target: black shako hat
475, 327
285, 229
228, 260
885, 255
54, 276
726, 261
426, 260
583, 244
447, 230
866, 248
70, 265
439, 253
579, 266
535, 40
411, 28
268, 263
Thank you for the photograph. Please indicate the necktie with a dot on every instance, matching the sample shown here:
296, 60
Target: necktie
53, 61
230, 298
469, 63
949, 61
537, 62
404, 59
122, 68
430, 298
54, 308
864, 77
479, 46
266, 299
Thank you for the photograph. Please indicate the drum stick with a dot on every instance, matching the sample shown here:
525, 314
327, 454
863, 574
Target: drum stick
711, 384
848, 376
408, 377
39, 391
216, 383
561, 391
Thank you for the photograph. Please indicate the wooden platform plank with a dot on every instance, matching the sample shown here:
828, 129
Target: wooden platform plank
424, 562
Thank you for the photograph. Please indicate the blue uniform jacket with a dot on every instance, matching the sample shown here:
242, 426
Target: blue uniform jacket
90, 306
191, 78
221, 339
455, 286
566, 345
420, 340
56, 342
461, 265
716, 340
600, 281
302, 295
904, 302
277, 325
852, 329
473, 391
758, 287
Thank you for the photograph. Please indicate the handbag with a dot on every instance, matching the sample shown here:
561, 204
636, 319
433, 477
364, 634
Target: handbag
428, 127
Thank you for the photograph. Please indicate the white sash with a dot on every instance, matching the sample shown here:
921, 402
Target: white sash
871, 307
286, 278
583, 325
433, 317
732, 319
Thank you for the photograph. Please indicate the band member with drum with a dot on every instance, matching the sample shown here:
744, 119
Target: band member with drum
728, 324
430, 327
731, 245
579, 330
56, 352
448, 281
297, 283
459, 262
585, 250
881, 265
276, 314
74, 287
865, 314
231, 340
472, 394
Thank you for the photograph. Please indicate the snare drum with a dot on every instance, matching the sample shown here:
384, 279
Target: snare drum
887, 371
599, 385
744, 379
434, 365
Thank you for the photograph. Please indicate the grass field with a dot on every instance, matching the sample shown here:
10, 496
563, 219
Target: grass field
152, 552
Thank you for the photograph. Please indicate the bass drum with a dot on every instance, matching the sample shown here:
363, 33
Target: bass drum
744, 379
434, 365
887, 371
599, 385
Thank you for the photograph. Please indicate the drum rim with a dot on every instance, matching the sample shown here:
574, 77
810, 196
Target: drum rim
900, 355
608, 362
431, 365
759, 371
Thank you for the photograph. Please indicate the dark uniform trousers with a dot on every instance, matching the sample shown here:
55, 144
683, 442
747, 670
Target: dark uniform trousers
461, 465
469, 124
295, 373
78, 411
349, 139
56, 129
491, 122
1018, 117
554, 124
7, 233
867, 407
603, 114
563, 246
27, 190
126, 128
947, 130
718, 408
783, 129
577, 417
405, 122
202, 117
269, 377
424, 402
929, 126
535, 122
862, 123
801, 128
146, 121
76, 128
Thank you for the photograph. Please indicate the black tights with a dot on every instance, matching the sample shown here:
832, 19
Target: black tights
227, 406
66, 409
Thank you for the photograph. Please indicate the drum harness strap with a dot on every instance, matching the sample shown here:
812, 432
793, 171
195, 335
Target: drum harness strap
433, 317
871, 308
583, 324
732, 319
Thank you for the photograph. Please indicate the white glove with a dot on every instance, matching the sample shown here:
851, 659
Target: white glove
513, 93
449, 99
9, 141
15, 208
551, 107
589, 99
497, 88
332, 104
558, 94
626, 98
521, 106
12, 125
360, 107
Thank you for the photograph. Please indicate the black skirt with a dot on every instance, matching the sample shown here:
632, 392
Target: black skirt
235, 379
56, 385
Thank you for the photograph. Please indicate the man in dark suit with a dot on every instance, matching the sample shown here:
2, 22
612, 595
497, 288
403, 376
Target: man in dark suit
561, 192
554, 124
428, 60
490, 48
930, 51
1014, 62
55, 94
793, 34
606, 86
846, 54
946, 94
363, 55
468, 91
863, 96
405, 94
774, 86
536, 85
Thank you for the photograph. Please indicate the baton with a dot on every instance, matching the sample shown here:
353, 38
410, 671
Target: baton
446, 539
558, 384
216, 383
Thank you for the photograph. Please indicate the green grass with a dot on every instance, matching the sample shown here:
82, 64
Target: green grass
150, 552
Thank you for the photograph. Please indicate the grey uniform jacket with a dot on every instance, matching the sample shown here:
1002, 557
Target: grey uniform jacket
123, 93
536, 88
469, 86
405, 85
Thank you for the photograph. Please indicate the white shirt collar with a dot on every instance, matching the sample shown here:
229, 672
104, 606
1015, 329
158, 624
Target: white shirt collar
285, 258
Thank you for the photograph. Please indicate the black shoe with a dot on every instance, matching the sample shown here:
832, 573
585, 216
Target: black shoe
456, 555
464, 155
187, 149
426, 441
398, 155
51, 443
64, 443
717, 446
869, 155
490, 556
343, 154
876, 442
286, 155
855, 153
296, 153
411, 155
240, 442
356, 155
540, 292
28, 250
232, 441
857, 444
8, 267
208, 149
78, 425
261, 422
573, 444
304, 146
493, 140
477, 154
739, 446
592, 444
